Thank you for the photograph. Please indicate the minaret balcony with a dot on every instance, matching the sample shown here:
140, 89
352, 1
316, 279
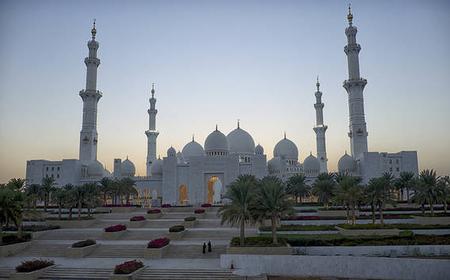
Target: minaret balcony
90, 93
355, 48
319, 105
92, 60
354, 83
152, 133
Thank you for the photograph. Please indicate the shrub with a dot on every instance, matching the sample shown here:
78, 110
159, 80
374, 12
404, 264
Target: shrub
177, 228
12, 238
32, 228
29, 266
300, 228
190, 219
158, 243
367, 226
84, 243
206, 205
128, 267
199, 211
166, 205
154, 211
121, 205
258, 241
301, 218
137, 218
115, 228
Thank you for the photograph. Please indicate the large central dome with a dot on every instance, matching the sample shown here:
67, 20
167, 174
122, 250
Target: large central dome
216, 143
286, 149
241, 142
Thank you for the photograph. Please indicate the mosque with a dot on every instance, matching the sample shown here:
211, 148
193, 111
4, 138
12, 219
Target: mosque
200, 174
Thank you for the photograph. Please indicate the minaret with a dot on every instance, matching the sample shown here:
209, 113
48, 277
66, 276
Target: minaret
320, 130
151, 133
355, 86
90, 96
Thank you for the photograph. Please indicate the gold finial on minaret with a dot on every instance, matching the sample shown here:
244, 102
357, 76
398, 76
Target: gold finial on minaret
350, 15
153, 90
317, 83
93, 30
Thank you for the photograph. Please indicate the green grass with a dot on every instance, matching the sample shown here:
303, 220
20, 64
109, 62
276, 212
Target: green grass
258, 241
392, 226
300, 228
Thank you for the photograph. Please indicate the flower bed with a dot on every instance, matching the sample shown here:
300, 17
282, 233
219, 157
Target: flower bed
158, 243
259, 245
115, 228
301, 218
258, 241
32, 228
190, 219
121, 205
137, 219
206, 205
81, 249
166, 205
177, 228
199, 211
190, 222
127, 270
176, 232
12, 238
300, 228
84, 243
33, 265
154, 211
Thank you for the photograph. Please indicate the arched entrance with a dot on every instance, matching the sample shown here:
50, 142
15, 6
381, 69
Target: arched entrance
183, 195
214, 190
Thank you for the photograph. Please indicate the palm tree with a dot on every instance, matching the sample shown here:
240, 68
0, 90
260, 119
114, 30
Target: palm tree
91, 198
379, 193
127, 188
406, 181
47, 188
79, 195
16, 184
371, 195
443, 191
428, 180
59, 197
323, 188
11, 207
32, 193
105, 189
272, 201
297, 187
70, 200
349, 193
240, 194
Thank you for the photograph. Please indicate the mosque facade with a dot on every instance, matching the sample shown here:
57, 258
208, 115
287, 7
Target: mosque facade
200, 174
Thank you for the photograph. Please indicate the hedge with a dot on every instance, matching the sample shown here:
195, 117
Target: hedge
258, 241
177, 228
33, 265
84, 243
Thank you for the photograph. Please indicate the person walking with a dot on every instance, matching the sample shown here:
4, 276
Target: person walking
209, 246
204, 247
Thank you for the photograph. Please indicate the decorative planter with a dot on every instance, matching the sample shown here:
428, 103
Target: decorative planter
30, 275
136, 224
117, 209
12, 249
200, 216
80, 252
154, 215
282, 250
356, 232
130, 276
336, 213
431, 220
155, 253
176, 235
72, 223
190, 224
113, 235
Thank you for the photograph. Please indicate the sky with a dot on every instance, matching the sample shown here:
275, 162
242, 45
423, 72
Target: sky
214, 62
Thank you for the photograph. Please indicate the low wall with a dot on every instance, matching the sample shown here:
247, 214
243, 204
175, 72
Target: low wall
432, 220
282, 250
386, 251
336, 213
338, 266
12, 249
371, 232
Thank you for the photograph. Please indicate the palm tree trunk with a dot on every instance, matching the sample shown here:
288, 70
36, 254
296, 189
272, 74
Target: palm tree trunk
347, 212
381, 214
19, 227
423, 209
59, 212
353, 215
242, 233
70, 213
372, 208
407, 194
274, 229
79, 210
445, 207
431, 208
45, 203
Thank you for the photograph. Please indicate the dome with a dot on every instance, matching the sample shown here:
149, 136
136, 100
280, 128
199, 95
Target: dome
192, 149
240, 142
286, 149
216, 142
157, 167
127, 168
171, 152
311, 164
346, 164
259, 150
95, 169
274, 165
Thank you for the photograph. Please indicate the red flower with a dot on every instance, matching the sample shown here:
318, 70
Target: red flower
206, 205
199, 211
166, 205
115, 228
158, 243
128, 267
137, 218
154, 211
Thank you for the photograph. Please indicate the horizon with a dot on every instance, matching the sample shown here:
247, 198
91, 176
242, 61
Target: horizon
241, 65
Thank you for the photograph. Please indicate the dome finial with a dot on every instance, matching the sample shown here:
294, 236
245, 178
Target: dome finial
310, 153
318, 83
350, 15
193, 137
153, 90
217, 127
285, 135
93, 30
238, 123
345, 151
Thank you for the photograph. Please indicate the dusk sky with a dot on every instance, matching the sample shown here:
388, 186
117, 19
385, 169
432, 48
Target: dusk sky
214, 62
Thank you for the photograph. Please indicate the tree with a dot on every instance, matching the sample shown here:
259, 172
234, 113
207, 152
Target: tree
91, 199
323, 188
406, 181
240, 194
349, 193
32, 194
428, 181
443, 191
59, 197
11, 207
16, 184
70, 200
297, 187
79, 193
46, 189
128, 189
272, 201
106, 188
379, 193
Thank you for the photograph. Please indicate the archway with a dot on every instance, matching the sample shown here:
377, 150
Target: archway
214, 190
183, 195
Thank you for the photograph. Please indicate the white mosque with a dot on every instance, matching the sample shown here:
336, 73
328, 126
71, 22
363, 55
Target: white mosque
199, 174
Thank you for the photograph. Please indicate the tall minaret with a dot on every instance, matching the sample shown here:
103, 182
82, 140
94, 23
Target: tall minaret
151, 133
320, 129
355, 86
90, 96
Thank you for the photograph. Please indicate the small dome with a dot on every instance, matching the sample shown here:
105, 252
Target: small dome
192, 149
127, 168
259, 150
180, 158
171, 152
346, 164
311, 165
241, 142
95, 169
156, 167
274, 165
216, 142
286, 149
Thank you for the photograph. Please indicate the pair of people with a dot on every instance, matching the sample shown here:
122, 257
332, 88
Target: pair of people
209, 247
